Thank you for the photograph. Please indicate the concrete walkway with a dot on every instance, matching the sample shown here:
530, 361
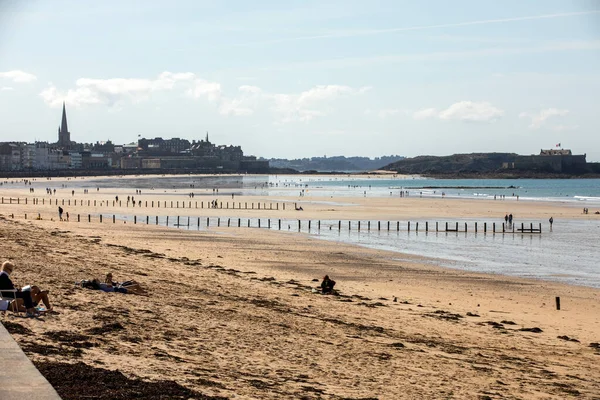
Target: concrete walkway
19, 379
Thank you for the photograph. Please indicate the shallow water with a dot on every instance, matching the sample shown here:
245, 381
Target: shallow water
569, 253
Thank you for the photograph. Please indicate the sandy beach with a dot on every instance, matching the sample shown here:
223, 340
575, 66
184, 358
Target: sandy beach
232, 313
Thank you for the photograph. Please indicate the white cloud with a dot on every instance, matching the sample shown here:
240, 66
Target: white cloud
311, 103
6, 89
472, 112
18, 76
111, 91
538, 119
425, 113
202, 88
303, 106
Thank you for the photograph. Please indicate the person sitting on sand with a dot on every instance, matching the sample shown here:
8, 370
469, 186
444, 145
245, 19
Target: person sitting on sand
327, 285
26, 298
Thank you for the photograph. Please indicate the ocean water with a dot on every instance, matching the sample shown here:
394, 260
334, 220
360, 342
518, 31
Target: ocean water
569, 253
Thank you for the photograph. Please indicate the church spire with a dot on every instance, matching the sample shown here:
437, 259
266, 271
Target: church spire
63, 124
206, 136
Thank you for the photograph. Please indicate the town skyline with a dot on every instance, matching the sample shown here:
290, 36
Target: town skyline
325, 78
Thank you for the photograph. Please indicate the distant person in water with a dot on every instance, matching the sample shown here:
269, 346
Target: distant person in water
327, 285
506, 218
551, 220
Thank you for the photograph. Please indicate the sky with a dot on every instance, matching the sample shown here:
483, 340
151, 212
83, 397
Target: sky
291, 79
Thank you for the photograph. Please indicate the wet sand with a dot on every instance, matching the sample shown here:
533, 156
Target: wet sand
231, 312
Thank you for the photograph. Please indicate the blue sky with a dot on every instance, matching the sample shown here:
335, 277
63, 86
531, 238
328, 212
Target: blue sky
307, 78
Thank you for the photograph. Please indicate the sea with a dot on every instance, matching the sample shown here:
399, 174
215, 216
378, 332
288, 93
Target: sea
569, 253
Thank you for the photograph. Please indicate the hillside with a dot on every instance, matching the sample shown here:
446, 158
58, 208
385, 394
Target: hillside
454, 164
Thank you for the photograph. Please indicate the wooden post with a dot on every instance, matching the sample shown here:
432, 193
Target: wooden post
259, 222
397, 226
540, 227
228, 222
531, 226
100, 218
135, 219
188, 222
349, 226
207, 222
465, 227
369, 226
219, 222
426, 226
279, 223
494, 227
522, 227
417, 226
89, 218
147, 219
319, 224
198, 222
167, 220
114, 219
339, 225
436, 226
484, 227
446, 226
359, 226
178, 221
277, 205
309, 225
457, 227
299, 226
378, 225
78, 218
240, 222
503, 227
269, 223
157, 220
475, 227
558, 303
409, 226
248, 222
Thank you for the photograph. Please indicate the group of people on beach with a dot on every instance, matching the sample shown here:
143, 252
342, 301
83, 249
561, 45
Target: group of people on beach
29, 299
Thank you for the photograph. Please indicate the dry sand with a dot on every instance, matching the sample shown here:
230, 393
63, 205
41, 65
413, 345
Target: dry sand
231, 312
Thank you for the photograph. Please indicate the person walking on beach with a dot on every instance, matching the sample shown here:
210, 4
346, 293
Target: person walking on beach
506, 218
60, 213
551, 220
510, 219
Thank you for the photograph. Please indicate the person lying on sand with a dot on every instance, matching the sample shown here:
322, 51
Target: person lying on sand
27, 298
108, 285
129, 286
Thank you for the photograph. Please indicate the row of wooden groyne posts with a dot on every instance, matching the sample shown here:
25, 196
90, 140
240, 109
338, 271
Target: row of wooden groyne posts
356, 225
145, 203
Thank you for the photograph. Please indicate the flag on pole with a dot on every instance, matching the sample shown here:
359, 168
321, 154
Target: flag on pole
558, 145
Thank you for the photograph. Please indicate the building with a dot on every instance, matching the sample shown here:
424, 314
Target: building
10, 156
554, 161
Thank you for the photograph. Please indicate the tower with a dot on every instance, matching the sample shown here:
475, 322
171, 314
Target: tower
64, 136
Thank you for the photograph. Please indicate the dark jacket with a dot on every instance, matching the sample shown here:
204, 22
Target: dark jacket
5, 283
